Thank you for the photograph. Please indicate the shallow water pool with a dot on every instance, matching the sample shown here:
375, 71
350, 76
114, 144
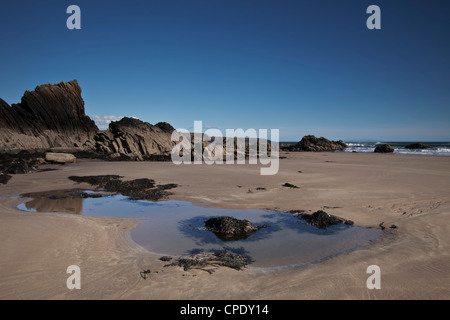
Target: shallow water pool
177, 228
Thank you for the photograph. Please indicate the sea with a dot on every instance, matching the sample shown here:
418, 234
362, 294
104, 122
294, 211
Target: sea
437, 148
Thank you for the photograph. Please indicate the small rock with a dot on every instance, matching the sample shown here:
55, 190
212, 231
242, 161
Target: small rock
60, 157
290, 185
165, 258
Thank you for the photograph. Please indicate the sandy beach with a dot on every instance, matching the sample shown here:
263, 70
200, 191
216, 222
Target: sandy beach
411, 192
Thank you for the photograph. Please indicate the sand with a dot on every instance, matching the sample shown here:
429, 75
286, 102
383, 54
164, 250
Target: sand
409, 191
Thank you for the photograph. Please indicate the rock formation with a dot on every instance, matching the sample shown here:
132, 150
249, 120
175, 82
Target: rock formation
383, 148
52, 119
135, 138
50, 116
314, 144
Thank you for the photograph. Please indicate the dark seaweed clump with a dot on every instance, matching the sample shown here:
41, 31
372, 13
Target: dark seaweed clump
138, 189
208, 261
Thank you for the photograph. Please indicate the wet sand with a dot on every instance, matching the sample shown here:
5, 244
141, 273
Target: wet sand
409, 191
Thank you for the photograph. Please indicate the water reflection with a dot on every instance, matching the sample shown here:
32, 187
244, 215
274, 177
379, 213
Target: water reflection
68, 201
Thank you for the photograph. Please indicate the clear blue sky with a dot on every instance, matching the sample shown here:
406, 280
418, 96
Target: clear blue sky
304, 67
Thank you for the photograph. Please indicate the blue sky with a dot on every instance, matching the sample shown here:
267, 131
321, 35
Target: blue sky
304, 67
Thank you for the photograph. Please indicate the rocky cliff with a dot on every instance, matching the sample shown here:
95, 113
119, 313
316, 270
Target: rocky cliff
50, 116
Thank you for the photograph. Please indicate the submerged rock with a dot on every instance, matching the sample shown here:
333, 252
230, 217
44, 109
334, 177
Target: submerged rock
229, 228
418, 145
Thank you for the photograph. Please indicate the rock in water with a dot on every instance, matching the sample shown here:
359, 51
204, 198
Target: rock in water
321, 219
311, 143
60, 157
50, 116
229, 228
418, 145
383, 148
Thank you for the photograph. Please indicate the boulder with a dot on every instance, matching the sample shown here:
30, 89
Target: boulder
60, 157
383, 148
314, 144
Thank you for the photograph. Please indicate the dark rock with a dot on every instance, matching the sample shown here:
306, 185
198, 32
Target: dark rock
18, 167
290, 185
383, 148
321, 219
166, 127
311, 143
4, 178
418, 145
286, 147
229, 228
165, 258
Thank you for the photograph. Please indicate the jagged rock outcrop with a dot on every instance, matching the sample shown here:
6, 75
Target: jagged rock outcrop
314, 144
50, 116
133, 137
52, 119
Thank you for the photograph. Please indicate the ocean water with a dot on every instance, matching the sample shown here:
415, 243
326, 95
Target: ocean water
437, 148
